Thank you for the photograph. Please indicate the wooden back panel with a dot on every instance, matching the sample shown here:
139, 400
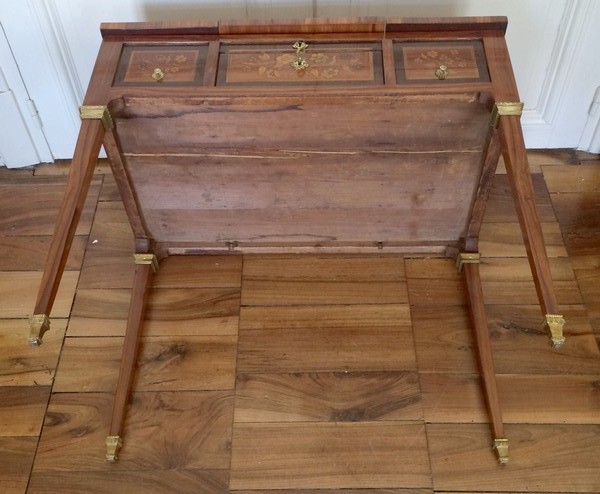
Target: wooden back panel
304, 171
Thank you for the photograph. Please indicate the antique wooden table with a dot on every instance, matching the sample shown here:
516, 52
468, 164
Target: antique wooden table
353, 135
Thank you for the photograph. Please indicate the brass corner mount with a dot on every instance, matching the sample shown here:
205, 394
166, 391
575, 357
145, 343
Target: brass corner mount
150, 259
467, 258
508, 108
97, 112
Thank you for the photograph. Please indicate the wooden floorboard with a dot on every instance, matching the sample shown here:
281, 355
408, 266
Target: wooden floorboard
301, 374
329, 455
554, 458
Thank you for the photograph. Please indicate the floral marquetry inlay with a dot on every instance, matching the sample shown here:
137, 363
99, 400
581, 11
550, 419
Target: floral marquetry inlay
326, 65
419, 61
177, 64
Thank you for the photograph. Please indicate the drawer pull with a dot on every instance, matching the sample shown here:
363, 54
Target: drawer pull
441, 72
300, 63
157, 75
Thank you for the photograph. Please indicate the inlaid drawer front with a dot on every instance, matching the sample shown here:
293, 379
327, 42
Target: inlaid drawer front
448, 61
300, 63
161, 64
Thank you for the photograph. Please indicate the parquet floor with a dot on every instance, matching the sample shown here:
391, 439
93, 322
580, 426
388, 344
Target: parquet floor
300, 375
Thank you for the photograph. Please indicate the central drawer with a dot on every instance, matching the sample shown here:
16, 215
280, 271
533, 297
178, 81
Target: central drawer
300, 63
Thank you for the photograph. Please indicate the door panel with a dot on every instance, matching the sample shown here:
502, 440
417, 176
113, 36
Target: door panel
22, 142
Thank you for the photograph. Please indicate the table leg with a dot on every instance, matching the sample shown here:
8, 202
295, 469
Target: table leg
146, 265
515, 159
78, 183
469, 265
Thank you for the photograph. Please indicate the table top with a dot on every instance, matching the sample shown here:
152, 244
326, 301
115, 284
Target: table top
347, 134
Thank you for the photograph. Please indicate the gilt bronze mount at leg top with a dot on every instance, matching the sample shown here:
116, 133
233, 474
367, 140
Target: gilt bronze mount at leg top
97, 112
150, 259
509, 108
467, 258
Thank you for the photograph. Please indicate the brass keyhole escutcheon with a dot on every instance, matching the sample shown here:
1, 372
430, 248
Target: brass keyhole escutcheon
158, 75
441, 72
300, 63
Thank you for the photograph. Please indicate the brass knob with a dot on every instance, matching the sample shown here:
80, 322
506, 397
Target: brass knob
300, 63
441, 72
158, 74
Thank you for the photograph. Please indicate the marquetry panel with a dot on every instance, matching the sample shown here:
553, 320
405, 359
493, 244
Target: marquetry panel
417, 61
169, 65
328, 63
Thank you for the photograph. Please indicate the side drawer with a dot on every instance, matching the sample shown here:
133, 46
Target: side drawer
168, 64
284, 64
441, 61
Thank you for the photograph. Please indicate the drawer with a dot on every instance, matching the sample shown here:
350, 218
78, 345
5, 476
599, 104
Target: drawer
142, 65
444, 62
284, 64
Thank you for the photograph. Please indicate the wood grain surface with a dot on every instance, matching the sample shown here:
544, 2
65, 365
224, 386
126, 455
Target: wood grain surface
305, 374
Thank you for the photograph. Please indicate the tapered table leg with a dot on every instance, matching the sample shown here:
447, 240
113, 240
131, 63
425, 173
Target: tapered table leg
517, 169
78, 183
146, 265
469, 264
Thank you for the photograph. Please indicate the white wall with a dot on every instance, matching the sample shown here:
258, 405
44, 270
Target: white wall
550, 42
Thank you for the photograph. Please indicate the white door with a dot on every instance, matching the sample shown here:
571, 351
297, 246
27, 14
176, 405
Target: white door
553, 45
22, 140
